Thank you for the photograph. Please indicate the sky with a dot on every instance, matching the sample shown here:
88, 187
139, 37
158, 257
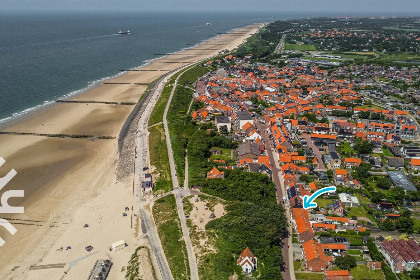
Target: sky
350, 7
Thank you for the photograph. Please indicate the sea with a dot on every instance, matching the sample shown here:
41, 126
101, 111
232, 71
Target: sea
50, 56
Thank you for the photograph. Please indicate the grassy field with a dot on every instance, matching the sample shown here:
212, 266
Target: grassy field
225, 154
159, 159
362, 272
304, 47
360, 212
322, 202
157, 114
354, 252
363, 199
387, 152
297, 265
309, 276
170, 234
320, 58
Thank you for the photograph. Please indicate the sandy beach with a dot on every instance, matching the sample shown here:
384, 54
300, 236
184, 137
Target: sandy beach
70, 182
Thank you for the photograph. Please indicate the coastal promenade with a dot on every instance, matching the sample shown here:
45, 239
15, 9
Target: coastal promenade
70, 182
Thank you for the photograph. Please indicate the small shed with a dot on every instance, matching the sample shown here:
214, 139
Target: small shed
116, 246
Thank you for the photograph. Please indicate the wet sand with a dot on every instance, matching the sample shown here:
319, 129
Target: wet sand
71, 181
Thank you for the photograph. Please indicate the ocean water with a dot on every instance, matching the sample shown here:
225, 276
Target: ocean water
44, 57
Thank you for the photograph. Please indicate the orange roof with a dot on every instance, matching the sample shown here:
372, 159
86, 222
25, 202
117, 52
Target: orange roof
299, 158
324, 136
353, 160
265, 160
338, 219
313, 250
214, 173
246, 126
362, 229
338, 273
321, 225
334, 246
415, 162
312, 186
342, 172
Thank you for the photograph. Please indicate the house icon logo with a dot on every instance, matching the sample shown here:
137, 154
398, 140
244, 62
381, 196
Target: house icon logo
5, 208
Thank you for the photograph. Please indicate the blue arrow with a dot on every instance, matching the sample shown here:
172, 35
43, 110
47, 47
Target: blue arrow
307, 200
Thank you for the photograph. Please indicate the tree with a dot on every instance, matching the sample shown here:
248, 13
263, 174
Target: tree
377, 197
361, 173
415, 273
405, 224
363, 147
224, 130
364, 115
387, 225
384, 183
345, 262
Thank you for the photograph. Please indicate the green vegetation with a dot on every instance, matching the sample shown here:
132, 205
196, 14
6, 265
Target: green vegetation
387, 152
297, 265
226, 153
309, 276
170, 233
354, 252
179, 122
253, 220
159, 159
132, 272
345, 150
322, 202
362, 272
302, 47
345, 262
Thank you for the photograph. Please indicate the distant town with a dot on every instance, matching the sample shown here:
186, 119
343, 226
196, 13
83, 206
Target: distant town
329, 108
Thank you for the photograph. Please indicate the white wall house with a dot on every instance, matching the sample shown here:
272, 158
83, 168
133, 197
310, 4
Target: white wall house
247, 261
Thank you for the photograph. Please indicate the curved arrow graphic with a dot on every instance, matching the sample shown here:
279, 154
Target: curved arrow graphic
307, 200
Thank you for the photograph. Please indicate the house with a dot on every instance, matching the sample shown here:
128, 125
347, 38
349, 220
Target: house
396, 162
215, 151
348, 200
314, 255
339, 209
401, 255
223, 121
340, 176
336, 240
214, 173
247, 261
242, 118
385, 206
302, 225
338, 275
415, 164
352, 162
248, 149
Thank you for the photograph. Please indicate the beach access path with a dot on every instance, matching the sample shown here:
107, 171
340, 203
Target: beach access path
179, 193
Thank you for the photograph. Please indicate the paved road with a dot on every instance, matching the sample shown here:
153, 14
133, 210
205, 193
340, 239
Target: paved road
316, 151
287, 250
280, 46
141, 155
179, 193
156, 245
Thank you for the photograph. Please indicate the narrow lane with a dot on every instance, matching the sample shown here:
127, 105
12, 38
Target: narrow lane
179, 192
287, 250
